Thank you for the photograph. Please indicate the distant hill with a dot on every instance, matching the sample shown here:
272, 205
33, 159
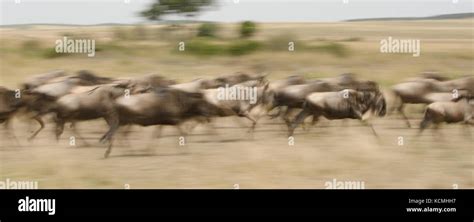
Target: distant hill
436, 17
101, 24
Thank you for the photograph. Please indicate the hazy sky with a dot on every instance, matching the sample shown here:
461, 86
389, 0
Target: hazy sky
118, 11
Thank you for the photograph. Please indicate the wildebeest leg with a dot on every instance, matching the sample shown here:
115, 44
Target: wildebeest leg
424, 124
254, 122
286, 117
315, 120
59, 127
273, 116
400, 110
109, 148
367, 123
300, 119
76, 133
40, 121
113, 122
114, 125
8, 131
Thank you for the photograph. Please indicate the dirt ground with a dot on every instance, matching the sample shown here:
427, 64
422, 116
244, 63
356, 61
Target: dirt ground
227, 156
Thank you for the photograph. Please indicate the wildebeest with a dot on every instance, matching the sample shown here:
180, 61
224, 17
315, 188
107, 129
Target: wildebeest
75, 86
15, 101
343, 104
9, 105
262, 96
43, 78
98, 102
292, 97
164, 106
457, 110
144, 83
424, 91
238, 77
196, 85
290, 80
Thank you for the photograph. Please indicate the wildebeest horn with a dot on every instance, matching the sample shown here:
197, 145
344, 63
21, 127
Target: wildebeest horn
92, 90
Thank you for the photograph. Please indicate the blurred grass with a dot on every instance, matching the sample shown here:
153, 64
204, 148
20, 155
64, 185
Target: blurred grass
321, 50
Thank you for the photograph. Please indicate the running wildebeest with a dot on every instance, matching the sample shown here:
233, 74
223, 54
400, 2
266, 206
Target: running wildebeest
343, 104
455, 111
238, 77
75, 86
19, 101
292, 97
9, 105
290, 80
256, 95
98, 102
196, 85
144, 83
423, 91
164, 106
41, 79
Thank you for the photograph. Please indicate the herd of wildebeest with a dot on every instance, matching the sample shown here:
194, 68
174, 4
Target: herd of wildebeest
155, 100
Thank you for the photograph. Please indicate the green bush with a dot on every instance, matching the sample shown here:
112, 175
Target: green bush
206, 47
336, 49
31, 45
243, 47
208, 30
50, 53
247, 29
352, 39
203, 47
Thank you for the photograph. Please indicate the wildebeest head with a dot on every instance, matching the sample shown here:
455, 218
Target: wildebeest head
87, 77
112, 90
373, 101
433, 75
380, 105
239, 77
9, 100
37, 102
208, 83
41, 79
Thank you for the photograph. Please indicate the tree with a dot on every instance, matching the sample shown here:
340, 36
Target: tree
247, 29
188, 8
